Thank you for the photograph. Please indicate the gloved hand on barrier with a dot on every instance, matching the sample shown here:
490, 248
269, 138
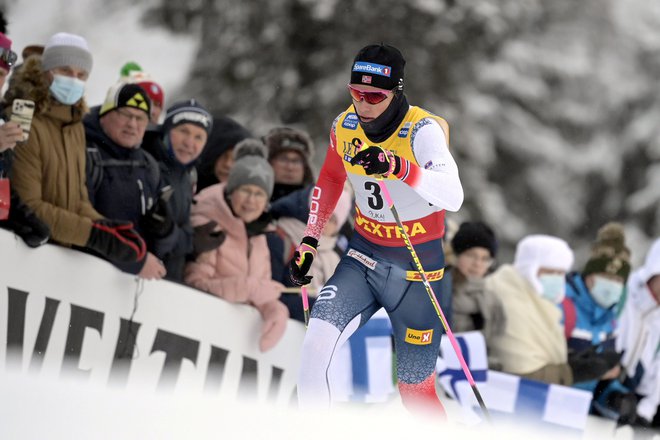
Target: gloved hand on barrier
117, 241
275, 316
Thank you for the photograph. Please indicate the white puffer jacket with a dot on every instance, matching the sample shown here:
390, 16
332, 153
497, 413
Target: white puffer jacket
639, 333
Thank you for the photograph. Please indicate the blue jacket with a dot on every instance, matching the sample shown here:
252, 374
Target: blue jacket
594, 325
591, 351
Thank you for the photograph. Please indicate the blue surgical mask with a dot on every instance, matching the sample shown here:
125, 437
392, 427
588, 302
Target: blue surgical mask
66, 89
553, 287
606, 292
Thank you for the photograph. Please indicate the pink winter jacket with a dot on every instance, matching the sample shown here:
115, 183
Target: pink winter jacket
239, 270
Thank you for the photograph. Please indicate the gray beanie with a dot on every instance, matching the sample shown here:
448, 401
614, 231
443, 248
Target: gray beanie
251, 167
63, 49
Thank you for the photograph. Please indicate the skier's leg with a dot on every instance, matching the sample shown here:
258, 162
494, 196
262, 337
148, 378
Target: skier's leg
342, 306
417, 332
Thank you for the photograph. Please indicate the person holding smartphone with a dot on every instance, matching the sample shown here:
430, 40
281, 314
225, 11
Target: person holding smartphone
49, 169
20, 218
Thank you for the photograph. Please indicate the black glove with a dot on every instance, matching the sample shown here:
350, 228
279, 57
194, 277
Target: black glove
302, 261
26, 224
158, 221
206, 239
117, 241
376, 160
625, 404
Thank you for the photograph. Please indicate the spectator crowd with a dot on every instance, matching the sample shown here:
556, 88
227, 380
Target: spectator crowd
171, 191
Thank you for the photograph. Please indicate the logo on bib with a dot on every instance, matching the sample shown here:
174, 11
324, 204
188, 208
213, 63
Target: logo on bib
404, 130
419, 337
350, 121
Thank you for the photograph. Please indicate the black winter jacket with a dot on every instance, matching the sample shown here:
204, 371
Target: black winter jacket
123, 183
182, 179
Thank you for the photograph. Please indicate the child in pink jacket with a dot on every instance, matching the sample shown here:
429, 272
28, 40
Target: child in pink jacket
239, 269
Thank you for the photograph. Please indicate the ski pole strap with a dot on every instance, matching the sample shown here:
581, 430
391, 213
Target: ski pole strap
434, 275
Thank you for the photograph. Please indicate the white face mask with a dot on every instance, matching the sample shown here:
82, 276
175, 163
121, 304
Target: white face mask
553, 287
606, 292
66, 89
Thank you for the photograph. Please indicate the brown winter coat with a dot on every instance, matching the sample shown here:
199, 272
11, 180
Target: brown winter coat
49, 170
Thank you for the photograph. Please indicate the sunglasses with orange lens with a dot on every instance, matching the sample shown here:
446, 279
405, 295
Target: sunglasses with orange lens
370, 97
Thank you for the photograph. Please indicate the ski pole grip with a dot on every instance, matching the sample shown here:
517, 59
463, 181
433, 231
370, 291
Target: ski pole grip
305, 299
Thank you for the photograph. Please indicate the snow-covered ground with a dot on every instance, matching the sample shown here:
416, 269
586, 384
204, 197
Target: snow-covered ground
38, 408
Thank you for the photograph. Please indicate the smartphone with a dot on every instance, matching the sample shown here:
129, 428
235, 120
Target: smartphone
22, 111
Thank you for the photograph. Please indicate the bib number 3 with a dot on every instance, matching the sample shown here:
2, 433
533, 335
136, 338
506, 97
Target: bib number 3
375, 198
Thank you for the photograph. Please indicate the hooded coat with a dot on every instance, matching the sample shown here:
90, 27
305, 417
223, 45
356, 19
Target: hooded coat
639, 334
49, 169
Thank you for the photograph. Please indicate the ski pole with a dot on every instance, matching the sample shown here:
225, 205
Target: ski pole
305, 301
434, 299
296, 290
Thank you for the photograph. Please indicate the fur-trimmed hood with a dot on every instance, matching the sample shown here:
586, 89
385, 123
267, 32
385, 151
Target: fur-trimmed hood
29, 81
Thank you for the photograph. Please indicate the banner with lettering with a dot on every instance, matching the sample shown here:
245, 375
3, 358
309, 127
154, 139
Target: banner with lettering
66, 313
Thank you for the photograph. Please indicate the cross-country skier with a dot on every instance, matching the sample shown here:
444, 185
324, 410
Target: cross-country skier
381, 136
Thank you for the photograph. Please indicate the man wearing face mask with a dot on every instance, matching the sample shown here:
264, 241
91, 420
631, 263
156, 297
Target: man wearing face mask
533, 343
590, 310
49, 169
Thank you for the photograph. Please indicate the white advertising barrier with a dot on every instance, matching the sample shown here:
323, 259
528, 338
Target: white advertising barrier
66, 313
